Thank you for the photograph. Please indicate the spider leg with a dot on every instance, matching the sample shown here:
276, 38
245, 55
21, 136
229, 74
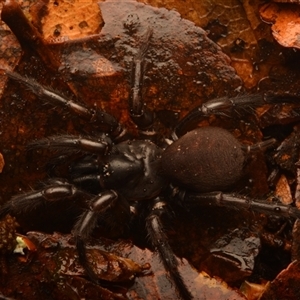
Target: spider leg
60, 191
139, 113
260, 146
67, 143
87, 223
159, 240
239, 202
221, 106
104, 121
86, 172
23, 203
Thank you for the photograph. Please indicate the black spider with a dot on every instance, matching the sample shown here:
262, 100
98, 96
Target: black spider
200, 164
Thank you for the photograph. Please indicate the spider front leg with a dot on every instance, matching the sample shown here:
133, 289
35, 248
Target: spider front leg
139, 113
63, 191
68, 143
159, 240
57, 191
102, 120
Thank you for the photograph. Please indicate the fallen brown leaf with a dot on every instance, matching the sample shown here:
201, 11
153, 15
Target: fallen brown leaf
285, 22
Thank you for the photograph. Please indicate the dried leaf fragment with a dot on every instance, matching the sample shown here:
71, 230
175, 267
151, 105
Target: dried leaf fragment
285, 23
212, 288
283, 190
23, 242
285, 286
8, 234
1, 162
297, 192
62, 20
252, 290
106, 265
232, 256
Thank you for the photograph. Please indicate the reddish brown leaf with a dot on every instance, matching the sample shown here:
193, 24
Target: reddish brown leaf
285, 286
285, 22
64, 20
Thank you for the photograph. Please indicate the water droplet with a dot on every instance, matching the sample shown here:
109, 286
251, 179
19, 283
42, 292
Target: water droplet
277, 209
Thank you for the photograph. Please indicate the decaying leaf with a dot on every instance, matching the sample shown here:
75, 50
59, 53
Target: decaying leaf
285, 284
283, 191
8, 228
2, 163
61, 20
252, 291
232, 256
238, 29
54, 266
285, 22
297, 190
106, 265
215, 289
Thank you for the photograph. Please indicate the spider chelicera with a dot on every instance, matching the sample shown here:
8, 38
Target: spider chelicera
193, 167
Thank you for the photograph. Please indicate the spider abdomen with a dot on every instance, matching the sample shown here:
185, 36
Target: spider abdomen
205, 159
